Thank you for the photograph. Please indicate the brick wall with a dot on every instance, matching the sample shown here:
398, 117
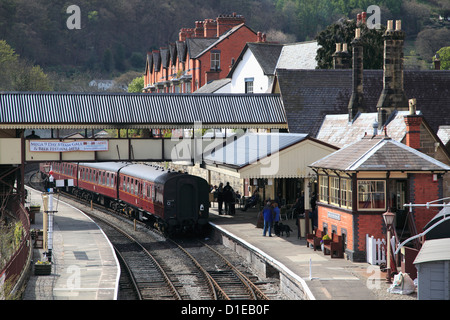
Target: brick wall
354, 226
422, 190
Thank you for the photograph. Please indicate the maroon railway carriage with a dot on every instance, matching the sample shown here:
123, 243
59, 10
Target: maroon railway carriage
173, 201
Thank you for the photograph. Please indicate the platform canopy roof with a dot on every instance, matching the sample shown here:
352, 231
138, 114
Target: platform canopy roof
267, 155
43, 110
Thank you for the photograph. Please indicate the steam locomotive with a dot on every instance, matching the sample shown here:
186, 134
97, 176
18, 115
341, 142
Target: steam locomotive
174, 202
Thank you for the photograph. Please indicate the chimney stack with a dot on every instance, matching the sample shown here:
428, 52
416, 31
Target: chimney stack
199, 30
341, 58
356, 103
393, 96
437, 62
228, 22
413, 122
210, 28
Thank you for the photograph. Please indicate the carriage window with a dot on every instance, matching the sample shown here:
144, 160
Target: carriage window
124, 186
153, 193
107, 179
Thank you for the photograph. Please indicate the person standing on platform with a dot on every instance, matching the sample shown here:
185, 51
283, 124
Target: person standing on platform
220, 197
276, 213
268, 219
227, 197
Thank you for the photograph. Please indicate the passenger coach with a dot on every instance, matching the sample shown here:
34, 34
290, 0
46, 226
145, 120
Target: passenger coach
172, 201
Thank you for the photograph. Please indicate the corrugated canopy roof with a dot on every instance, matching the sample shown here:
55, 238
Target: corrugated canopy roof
19, 110
251, 147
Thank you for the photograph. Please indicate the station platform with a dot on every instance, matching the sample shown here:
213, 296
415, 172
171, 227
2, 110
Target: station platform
84, 265
326, 278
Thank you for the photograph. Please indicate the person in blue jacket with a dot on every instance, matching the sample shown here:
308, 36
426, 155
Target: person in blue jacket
268, 219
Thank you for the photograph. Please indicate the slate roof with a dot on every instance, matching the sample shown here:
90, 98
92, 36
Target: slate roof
379, 153
213, 86
195, 46
309, 95
267, 55
301, 55
338, 131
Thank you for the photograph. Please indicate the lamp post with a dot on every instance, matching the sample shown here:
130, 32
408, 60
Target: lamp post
388, 218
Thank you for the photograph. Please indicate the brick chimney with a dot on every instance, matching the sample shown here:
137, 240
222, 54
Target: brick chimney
413, 122
199, 30
356, 103
185, 33
228, 22
210, 28
393, 96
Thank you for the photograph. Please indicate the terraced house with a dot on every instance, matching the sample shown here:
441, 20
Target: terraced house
201, 54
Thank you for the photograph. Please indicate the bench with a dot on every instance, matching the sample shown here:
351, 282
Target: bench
314, 238
333, 246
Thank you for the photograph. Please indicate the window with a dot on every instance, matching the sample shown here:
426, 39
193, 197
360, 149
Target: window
215, 60
334, 190
249, 85
371, 194
346, 193
323, 188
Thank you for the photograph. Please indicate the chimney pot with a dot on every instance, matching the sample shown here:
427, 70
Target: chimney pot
398, 25
344, 47
390, 25
412, 106
363, 17
357, 33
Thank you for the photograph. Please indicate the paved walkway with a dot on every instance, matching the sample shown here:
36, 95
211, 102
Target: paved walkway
84, 263
330, 278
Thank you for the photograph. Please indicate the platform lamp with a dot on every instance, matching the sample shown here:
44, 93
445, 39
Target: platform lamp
388, 218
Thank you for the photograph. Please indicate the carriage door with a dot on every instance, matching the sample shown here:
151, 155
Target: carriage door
187, 203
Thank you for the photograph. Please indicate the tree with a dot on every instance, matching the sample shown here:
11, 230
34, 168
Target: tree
344, 32
136, 85
18, 74
107, 60
444, 56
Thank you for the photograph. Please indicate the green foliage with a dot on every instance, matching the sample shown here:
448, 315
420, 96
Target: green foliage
136, 85
444, 56
107, 60
344, 32
18, 74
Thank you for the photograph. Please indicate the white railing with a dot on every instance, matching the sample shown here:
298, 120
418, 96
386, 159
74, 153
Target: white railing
375, 250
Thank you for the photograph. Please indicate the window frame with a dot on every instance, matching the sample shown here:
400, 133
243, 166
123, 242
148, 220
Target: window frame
215, 60
372, 192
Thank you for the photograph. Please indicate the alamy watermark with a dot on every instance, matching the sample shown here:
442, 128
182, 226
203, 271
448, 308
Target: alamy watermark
74, 21
374, 20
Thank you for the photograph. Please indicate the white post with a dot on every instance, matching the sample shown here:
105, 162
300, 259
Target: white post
50, 218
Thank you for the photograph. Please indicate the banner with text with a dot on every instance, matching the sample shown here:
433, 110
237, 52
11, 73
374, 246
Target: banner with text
59, 146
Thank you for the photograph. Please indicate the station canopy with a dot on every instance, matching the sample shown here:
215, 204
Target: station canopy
44, 110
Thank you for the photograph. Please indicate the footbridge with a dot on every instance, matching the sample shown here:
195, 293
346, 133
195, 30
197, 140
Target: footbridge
22, 113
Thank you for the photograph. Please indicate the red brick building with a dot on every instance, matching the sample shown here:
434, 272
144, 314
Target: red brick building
360, 182
201, 54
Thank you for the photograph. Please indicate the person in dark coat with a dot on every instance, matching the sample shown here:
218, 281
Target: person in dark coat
227, 197
220, 197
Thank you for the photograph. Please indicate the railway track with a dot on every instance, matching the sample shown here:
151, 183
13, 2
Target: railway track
160, 268
148, 275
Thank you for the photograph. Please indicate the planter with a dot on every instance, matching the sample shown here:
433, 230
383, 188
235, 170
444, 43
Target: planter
42, 269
